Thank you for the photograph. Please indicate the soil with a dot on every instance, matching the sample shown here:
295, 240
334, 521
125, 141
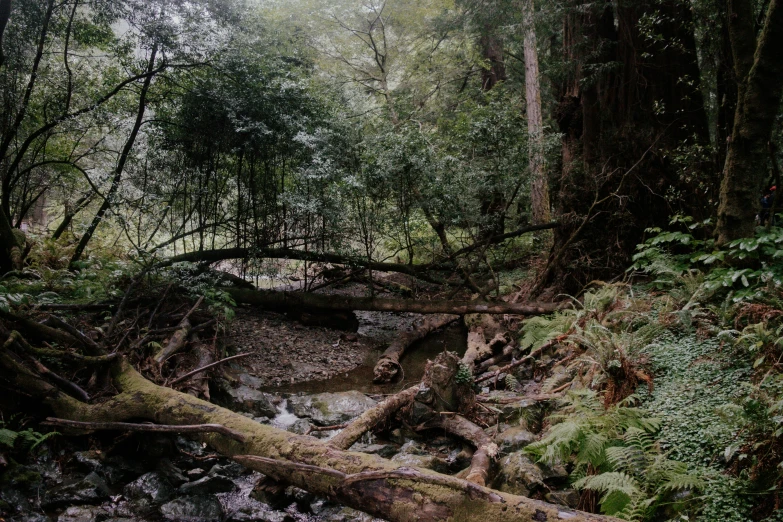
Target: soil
285, 351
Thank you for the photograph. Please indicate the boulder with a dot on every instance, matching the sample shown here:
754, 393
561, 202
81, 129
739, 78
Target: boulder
208, 485
519, 475
245, 398
328, 409
514, 439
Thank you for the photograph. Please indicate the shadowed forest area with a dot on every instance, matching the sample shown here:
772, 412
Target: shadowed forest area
357, 260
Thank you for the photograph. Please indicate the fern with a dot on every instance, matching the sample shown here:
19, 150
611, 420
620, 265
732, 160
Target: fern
8, 437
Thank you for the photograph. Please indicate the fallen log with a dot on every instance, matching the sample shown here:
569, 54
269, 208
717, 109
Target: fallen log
486, 450
362, 481
180, 337
388, 365
158, 428
372, 417
285, 301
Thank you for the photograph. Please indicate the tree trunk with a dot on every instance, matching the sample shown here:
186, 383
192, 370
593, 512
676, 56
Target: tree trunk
388, 365
759, 70
285, 301
539, 187
362, 481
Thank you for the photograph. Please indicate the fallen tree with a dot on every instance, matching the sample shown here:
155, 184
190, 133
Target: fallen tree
388, 365
292, 301
362, 481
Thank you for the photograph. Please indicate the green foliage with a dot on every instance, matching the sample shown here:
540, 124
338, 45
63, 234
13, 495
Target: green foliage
615, 454
21, 442
464, 375
742, 270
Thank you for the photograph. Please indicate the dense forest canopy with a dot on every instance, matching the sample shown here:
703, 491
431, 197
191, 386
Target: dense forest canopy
611, 165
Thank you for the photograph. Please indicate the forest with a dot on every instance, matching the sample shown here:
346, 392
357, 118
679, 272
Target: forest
393, 260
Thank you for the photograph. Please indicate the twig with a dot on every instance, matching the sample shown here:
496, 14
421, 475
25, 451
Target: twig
519, 362
326, 428
207, 367
157, 307
165, 428
62, 382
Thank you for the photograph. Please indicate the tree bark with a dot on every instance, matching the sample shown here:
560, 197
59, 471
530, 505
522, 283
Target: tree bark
539, 187
388, 365
285, 301
365, 482
372, 417
759, 70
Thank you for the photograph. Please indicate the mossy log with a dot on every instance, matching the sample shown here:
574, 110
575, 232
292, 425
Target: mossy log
388, 365
285, 301
362, 481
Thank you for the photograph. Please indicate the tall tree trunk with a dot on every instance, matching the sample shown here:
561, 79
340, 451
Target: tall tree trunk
759, 70
628, 97
124, 155
539, 189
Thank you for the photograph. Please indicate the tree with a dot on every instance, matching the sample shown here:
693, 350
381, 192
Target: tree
759, 72
539, 190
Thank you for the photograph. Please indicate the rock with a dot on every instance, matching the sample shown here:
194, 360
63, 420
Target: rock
89, 490
245, 398
519, 475
88, 460
229, 469
150, 486
82, 514
204, 508
300, 427
386, 451
566, 497
195, 473
207, 485
514, 439
328, 409
250, 510
30, 517
412, 455
171, 472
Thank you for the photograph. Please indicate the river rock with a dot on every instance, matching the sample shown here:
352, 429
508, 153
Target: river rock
150, 486
89, 490
345, 514
519, 475
412, 455
82, 514
328, 409
512, 407
250, 510
207, 485
245, 398
513, 439
203, 508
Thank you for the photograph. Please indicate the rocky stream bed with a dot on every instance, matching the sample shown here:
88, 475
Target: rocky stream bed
297, 379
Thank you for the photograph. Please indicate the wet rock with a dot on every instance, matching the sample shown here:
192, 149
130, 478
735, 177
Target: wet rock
150, 486
13, 501
229, 469
88, 460
383, 450
82, 514
119, 470
204, 508
171, 472
300, 427
208, 485
412, 455
195, 473
566, 497
519, 475
190, 446
245, 398
327, 409
513, 439
254, 511
89, 490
